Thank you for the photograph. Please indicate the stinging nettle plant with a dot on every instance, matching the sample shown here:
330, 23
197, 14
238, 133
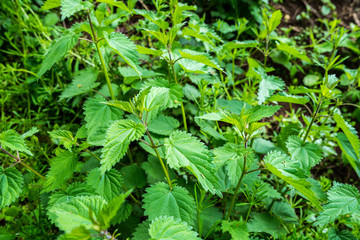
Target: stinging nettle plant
180, 146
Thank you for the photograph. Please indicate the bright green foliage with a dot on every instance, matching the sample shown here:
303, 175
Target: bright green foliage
83, 82
274, 21
134, 176
257, 113
163, 125
268, 85
118, 137
284, 97
241, 44
184, 150
342, 199
264, 222
349, 152
76, 212
57, 51
70, 7
175, 90
293, 51
73, 190
160, 200
264, 190
124, 47
107, 184
307, 154
115, 3
49, 4
12, 140
123, 105
66, 138
237, 229
78, 233
61, 169
142, 231
157, 98
340, 235
11, 183
200, 57
99, 117
171, 229
30, 133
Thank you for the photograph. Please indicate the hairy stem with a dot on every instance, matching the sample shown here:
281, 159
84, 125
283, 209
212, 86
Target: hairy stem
313, 119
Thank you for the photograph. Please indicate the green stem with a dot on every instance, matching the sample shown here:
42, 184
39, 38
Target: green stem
184, 116
101, 59
313, 119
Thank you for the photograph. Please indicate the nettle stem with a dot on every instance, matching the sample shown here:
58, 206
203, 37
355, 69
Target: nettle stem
101, 59
313, 119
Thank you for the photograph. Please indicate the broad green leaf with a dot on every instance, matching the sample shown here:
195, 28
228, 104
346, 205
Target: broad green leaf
180, 12
124, 47
209, 216
12, 140
57, 51
118, 4
241, 44
98, 117
307, 154
11, 184
197, 35
50, 4
237, 229
70, 7
66, 138
149, 51
257, 113
264, 222
268, 85
118, 137
123, 105
73, 190
200, 57
78, 233
134, 176
156, 98
184, 150
284, 97
276, 162
274, 21
293, 51
83, 82
163, 125
349, 152
265, 190
30, 133
349, 131
160, 200
342, 199
175, 90
334, 234
62, 168
142, 231
192, 66
76, 212
107, 184
285, 132
171, 229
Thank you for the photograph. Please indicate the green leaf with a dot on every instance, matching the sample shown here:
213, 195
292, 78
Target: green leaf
117, 4
73, 190
66, 138
156, 98
293, 51
265, 190
175, 90
257, 113
349, 152
62, 168
107, 184
307, 154
276, 162
50, 4
76, 212
171, 229
83, 82
149, 51
349, 131
10, 139
284, 97
118, 137
57, 51
123, 105
98, 117
11, 184
241, 44
274, 21
78, 233
342, 199
184, 150
124, 47
30, 133
163, 125
70, 7
237, 229
160, 200
334, 234
263, 222
200, 57
268, 85
134, 176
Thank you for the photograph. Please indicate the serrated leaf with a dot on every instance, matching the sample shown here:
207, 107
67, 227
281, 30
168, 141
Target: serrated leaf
76, 212
334, 234
156, 98
257, 113
11, 184
342, 199
241, 44
98, 117
160, 200
142, 231
293, 51
284, 97
184, 150
134, 176
264, 190
349, 152
163, 125
30, 133
274, 21
124, 47
10, 139
57, 51
268, 85
307, 154
78, 233
83, 82
123, 105
118, 137
62, 168
149, 51
73, 190
200, 57
237, 229
264, 222
117, 4
70, 7
107, 184
50, 4
171, 229
66, 138
175, 90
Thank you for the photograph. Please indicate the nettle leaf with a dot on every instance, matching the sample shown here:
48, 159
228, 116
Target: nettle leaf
73, 190
264, 190
76, 212
66, 138
278, 164
83, 82
342, 199
264, 222
257, 113
241, 44
284, 97
200, 57
30, 133
160, 200
57, 51
268, 85
134, 176
163, 125
10, 139
78, 233
123, 105
184, 150
175, 90
156, 98
171, 229
117, 4
334, 234
307, 154
70, 7
274, 21
149, 51
50, 4
293, 51
11, 184
123, 46
98, 117
62, 168
118, 137
349, 131
107, 184
349, 152
237, 229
